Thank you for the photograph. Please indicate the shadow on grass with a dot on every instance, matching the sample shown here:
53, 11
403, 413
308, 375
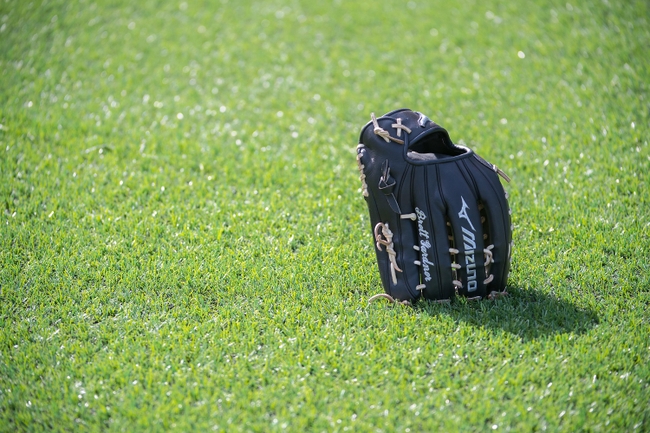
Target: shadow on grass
528, 314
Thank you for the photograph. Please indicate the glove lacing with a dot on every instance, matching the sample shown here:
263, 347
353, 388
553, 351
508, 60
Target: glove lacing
399, 127
455, 266
387, 241
412, 217
387, 296
378, 130
362, 175
489, 259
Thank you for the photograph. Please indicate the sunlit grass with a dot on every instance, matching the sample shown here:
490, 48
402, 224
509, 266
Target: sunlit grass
184, 245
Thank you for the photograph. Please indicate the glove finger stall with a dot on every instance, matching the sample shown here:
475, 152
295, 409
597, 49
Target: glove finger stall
430, 225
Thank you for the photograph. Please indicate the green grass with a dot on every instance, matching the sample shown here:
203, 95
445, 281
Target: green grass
209, 270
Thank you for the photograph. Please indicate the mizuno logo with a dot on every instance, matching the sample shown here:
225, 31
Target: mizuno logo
463, 213
469, 243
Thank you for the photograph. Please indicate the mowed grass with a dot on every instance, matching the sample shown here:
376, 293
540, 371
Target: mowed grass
184, 245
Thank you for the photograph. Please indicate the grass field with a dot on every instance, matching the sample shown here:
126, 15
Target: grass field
184, 245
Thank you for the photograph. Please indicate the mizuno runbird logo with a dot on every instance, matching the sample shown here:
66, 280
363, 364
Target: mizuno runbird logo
463, 213
469, 243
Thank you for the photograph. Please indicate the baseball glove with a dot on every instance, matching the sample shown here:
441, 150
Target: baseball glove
439, 215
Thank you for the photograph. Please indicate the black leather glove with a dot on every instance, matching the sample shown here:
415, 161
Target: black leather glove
439, 214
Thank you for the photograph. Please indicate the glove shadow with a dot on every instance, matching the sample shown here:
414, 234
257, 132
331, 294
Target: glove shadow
527, 313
